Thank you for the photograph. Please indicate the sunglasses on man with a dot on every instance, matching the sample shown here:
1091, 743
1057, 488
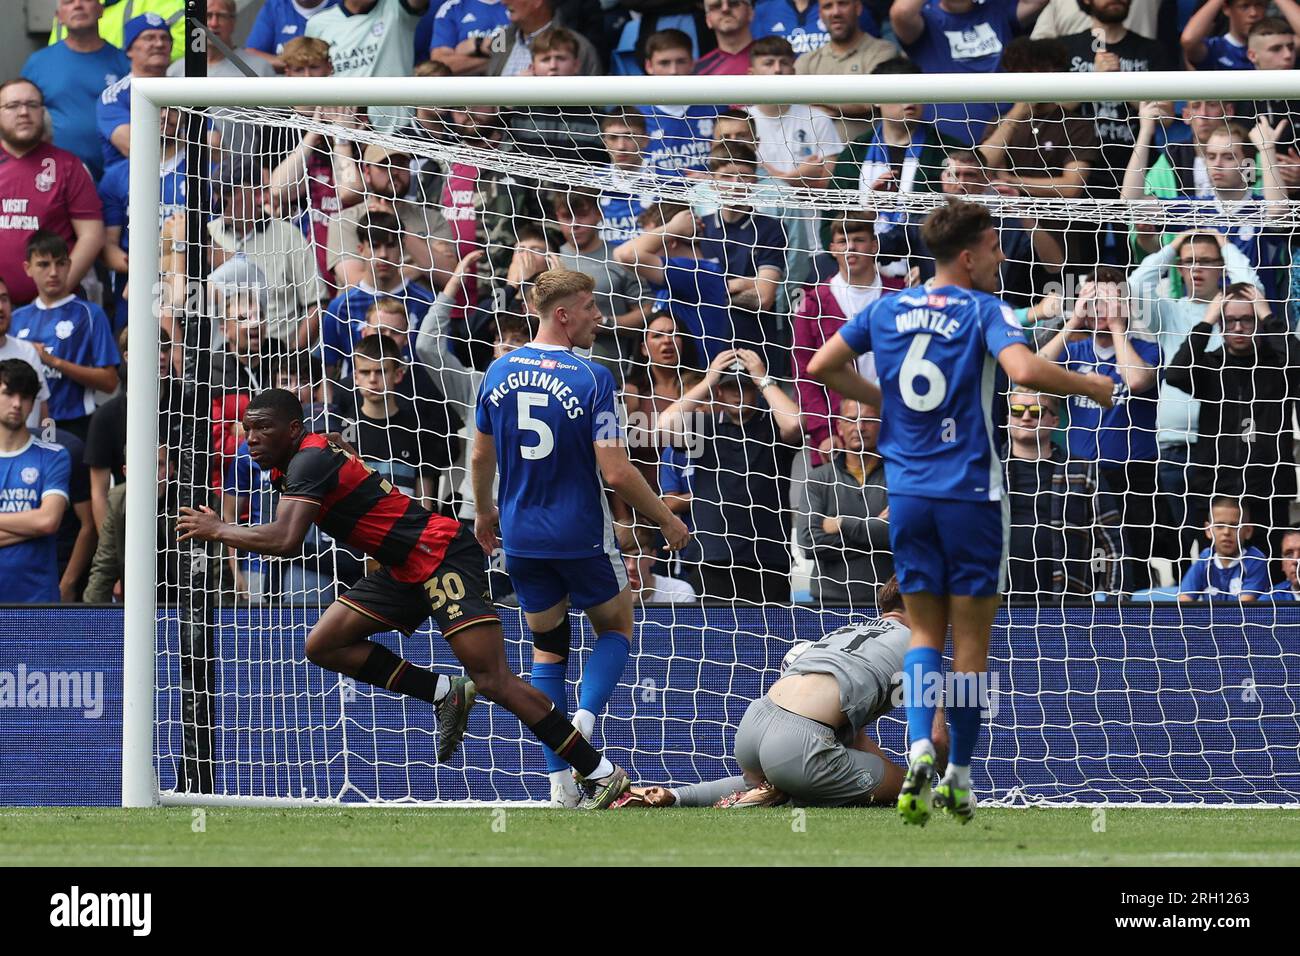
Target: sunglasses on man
1035, 411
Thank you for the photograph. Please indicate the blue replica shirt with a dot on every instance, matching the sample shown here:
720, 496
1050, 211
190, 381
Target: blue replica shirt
71, 329
114, 194
680, 136
621, 204
697, 296
804, 31
935, 353
1223, 53
619, 213
71, 83
345, 316
545, 407
280, 21
970, 42
449, 24
1282, 591
113, 110
30, 568
1127, 430
1246, 574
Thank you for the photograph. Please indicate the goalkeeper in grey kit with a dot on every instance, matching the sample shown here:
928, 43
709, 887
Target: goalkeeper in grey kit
805, 739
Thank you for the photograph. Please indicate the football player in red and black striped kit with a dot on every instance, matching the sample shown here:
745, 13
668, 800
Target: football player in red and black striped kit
429, 565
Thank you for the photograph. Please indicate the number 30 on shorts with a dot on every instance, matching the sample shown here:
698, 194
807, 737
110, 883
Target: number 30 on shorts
443, 588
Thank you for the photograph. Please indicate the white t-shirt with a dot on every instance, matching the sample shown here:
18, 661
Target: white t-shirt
378, 43
795, 136
288, 264
669, 591
14, 347
852, 299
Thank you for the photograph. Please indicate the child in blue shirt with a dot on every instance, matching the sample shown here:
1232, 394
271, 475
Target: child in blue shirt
1226, 51
1228, 568
73, 337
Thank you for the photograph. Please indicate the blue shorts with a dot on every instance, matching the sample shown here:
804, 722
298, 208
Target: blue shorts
542, 583
948, 547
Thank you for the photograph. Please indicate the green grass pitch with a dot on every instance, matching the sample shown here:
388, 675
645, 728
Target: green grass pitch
484, 836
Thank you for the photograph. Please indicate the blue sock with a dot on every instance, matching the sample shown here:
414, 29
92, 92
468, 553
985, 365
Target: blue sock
964, 726
604, 668
549, 679
922, 690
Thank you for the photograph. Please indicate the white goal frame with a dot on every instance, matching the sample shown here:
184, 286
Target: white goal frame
148, 96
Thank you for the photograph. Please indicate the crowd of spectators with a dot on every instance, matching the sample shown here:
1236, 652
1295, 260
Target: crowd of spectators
378, 281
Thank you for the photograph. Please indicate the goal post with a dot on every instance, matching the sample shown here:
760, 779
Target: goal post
294, 757
139, 779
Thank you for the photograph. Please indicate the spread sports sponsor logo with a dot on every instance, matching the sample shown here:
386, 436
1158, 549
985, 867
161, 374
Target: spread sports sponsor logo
542, 363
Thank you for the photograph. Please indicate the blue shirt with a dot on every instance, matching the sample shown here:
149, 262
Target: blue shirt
620, 209
114, 189
278, 22
746, 245
619, 213
71, 329
1248, 574
113, 110
935, 352
970, 42
71, 83
678, 141
805, 31
1127, 430
1222, 54
546, 406
696, 295
450, 23
246, 480
1282, 591
30, 568
345, 316
676, 472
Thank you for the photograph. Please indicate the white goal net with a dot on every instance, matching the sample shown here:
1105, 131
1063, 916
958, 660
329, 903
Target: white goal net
376, 274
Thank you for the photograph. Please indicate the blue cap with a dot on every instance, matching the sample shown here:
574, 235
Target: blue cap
137, 25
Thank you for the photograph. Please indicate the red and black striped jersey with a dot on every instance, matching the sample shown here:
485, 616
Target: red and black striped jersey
364, 511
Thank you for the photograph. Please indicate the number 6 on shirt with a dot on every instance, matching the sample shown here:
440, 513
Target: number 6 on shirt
916, 365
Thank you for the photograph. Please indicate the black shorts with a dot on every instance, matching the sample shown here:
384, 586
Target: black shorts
456, 594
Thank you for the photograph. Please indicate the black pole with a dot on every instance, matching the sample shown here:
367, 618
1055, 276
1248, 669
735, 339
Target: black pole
196, 581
